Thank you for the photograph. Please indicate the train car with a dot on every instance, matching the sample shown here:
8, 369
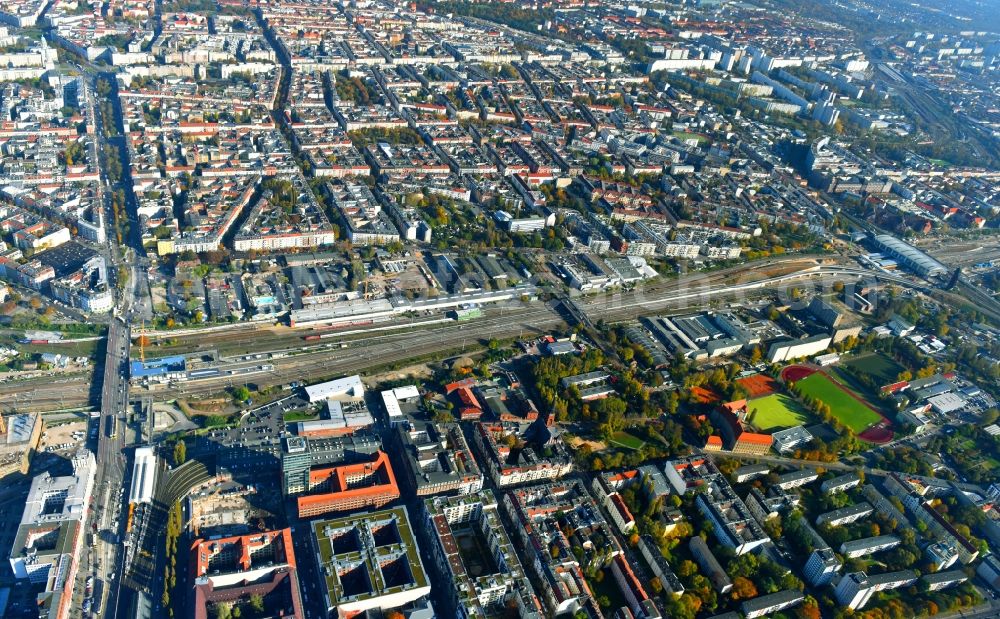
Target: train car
112, 426
466, 312
310, 338
203, 373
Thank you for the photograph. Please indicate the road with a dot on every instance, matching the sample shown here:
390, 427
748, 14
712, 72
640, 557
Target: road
108, 485
990, 608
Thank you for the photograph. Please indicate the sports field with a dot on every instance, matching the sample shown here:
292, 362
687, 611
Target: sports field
846, 407
776, 411
884, 369
626, 440
759, 385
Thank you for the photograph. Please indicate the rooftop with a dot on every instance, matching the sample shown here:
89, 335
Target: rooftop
368, 556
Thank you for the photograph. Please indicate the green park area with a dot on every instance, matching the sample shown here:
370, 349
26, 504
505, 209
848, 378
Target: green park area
776, 411
851, 411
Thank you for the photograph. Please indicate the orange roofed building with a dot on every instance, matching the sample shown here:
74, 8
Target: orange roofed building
349, 487
232, 569
730, 420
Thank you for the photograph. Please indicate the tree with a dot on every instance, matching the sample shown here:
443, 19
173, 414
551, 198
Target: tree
743, 588
656, 585
809, 609
180, 453
687, 569
241, 394
684, 607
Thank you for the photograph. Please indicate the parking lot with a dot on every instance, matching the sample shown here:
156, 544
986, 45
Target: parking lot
65, 438
257, 437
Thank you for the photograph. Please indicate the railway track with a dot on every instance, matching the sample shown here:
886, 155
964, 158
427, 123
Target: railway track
308, 361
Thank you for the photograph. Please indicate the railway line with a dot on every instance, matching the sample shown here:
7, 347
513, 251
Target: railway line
396, 348
293, 359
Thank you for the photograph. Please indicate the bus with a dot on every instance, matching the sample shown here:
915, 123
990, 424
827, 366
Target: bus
112, 426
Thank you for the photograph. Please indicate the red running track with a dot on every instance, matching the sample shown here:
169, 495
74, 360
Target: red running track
878, 433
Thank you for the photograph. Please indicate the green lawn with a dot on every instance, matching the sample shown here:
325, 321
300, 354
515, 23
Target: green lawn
300, 416
843, 405
74, 349
626, 440
884, 369
684, 135
776, 411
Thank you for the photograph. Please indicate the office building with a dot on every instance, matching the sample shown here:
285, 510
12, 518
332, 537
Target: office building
790, 439
369, 561
49, 538
340, 418
349, 487
301, 454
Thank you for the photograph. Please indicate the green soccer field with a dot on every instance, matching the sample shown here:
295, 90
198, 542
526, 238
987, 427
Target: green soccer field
629, 441
777, 411
851, 412
884, 369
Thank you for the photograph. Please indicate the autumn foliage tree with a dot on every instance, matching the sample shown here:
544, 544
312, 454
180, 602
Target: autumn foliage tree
743, 589
809, 609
